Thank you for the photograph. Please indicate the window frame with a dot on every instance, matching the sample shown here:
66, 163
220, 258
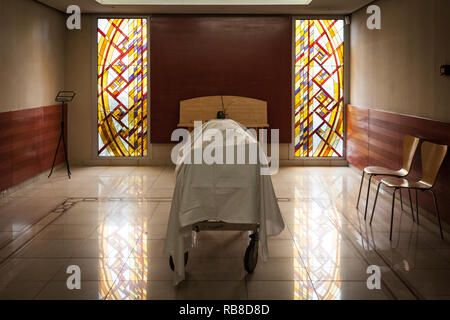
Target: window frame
94, 56
345, 81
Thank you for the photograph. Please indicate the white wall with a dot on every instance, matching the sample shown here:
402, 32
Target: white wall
397, 68
78, 77
32, 54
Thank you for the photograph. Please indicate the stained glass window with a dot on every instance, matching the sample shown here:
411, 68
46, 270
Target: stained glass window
122, 87
319, 79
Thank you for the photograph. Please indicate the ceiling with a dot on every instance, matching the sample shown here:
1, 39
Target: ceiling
316, 7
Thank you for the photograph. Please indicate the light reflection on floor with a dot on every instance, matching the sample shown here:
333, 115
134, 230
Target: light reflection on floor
123, 239
116, 230
318, 243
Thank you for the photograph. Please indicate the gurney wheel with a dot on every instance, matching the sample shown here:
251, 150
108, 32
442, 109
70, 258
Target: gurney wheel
172, 265
251, 255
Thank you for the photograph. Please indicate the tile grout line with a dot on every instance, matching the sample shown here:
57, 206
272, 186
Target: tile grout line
411, 289
361, 256
47, 282
67, 258
304, 265
33, 236
123, 266
338, 229
29, 227
160, 200
376, 251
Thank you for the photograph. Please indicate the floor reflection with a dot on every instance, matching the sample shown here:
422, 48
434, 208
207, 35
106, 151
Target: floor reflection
124, 186
318, 241
324, 253
124, 244
303, 290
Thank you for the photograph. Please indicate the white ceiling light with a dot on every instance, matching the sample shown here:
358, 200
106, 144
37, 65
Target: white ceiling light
204, 2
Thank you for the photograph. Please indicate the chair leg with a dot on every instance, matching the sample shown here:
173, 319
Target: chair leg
417, 206
392, 214
401, 198
410, 202
360, 188
437, 212
375, 202
367, 199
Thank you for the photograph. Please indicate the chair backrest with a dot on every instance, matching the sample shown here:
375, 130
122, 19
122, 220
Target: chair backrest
432, 157
410, 145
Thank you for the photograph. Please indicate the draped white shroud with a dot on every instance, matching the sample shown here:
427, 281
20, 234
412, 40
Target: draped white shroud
231, 193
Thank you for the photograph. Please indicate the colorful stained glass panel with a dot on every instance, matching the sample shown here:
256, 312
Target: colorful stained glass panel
319, 88
122, 87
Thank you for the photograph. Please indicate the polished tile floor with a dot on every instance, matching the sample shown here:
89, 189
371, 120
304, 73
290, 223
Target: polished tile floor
111, 222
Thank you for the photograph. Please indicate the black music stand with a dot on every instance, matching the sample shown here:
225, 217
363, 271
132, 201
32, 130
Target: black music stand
63, 97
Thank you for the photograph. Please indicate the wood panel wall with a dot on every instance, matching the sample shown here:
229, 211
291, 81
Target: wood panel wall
196, 56
28, 140
357, 136
374, 138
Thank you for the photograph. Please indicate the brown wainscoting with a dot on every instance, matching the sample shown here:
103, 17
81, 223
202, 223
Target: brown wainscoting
358, 136
374, 138
28, 140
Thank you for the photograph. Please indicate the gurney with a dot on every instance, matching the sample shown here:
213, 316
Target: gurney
218, 197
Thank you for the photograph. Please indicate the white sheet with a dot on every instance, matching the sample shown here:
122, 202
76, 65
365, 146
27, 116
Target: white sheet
233, 193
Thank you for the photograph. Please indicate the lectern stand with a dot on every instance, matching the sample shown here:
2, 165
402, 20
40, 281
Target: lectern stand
63, 97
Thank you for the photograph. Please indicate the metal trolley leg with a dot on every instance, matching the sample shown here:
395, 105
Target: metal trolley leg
251, 253
172, 264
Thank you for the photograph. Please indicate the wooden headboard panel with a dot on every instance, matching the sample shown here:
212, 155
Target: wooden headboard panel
252, 113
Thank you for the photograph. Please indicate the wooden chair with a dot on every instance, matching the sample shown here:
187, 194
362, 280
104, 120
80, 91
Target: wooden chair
432, 157
409, 149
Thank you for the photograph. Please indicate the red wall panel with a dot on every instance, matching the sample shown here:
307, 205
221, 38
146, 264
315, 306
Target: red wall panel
385, 132
193, 56
28, 139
